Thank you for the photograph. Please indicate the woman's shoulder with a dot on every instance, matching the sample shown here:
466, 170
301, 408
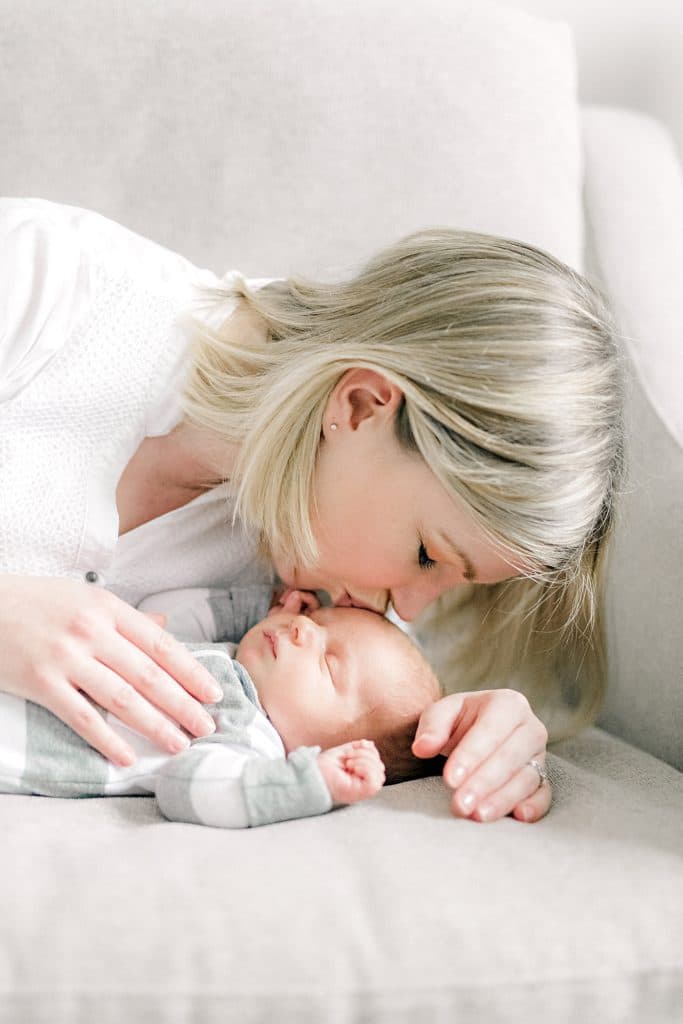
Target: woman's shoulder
53, 258
42, 287
99, 237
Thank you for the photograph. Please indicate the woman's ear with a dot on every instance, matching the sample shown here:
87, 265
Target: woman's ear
359, 396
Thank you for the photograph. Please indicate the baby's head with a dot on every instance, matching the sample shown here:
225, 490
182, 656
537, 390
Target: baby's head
338, 674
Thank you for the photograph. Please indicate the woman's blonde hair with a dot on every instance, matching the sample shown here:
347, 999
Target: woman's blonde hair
512, 385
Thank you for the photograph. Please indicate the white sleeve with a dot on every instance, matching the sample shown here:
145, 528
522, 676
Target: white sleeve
48, 252
44, 285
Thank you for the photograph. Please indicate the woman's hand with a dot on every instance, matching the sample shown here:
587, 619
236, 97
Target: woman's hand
353, 771
488, 736
63, 641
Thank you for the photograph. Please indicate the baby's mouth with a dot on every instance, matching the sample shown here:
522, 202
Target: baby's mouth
272, 640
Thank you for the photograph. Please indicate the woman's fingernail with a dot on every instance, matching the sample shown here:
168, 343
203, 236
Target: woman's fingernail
428, 738
177, 742
205, 726
456, 775
468, 801
214, 693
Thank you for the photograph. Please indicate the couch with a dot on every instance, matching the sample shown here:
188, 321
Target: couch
279, 137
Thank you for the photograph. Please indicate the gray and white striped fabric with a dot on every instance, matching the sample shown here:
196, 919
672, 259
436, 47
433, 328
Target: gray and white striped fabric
239, 776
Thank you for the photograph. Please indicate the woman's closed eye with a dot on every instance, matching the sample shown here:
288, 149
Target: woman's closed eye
423, 558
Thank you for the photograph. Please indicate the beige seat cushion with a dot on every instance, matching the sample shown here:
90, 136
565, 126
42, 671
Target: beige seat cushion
391, 911
634, 203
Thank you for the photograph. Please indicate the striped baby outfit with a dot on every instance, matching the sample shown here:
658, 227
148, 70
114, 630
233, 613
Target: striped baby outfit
239, 776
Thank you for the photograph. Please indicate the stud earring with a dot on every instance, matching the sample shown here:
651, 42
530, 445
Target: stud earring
333, 426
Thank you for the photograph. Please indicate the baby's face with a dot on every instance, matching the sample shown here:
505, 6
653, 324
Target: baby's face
319, 673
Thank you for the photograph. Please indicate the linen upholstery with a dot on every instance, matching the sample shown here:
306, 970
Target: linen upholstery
634, 202
276, 137
390, 911
243, 137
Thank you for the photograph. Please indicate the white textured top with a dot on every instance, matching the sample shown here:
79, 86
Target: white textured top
91, 362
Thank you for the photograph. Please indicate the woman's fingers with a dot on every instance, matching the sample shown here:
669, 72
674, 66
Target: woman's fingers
438, 724
56, 636
159, 617
536, 806
474, 723
510, 762
79, 714
145, 677
134, 709
505, 735
518, 790
488, 737
165, 651
133, 682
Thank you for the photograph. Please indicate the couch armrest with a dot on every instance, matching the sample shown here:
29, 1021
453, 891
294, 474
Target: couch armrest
634, 209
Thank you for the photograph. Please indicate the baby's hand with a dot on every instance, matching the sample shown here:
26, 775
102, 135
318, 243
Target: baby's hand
352, 771
299, 602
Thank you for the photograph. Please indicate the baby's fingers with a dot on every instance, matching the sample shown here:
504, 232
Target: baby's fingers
362, 761
366, 768
299, 602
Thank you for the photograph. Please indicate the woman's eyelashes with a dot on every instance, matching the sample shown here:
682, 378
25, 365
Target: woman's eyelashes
423, 558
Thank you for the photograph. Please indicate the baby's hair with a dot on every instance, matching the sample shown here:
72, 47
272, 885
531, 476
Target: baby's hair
418, 687
400, 763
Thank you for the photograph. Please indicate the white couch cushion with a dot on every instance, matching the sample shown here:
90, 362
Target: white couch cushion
634, 202
390, 912
294, 136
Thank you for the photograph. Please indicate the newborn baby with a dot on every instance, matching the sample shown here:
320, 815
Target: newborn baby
319, 707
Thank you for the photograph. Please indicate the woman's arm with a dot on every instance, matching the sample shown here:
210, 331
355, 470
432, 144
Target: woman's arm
63, 642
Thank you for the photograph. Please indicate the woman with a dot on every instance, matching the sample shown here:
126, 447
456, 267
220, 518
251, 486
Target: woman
445, 425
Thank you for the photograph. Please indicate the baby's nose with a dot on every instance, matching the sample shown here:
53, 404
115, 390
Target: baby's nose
302, 630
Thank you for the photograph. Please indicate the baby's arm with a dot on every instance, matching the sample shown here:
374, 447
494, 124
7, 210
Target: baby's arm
232, 786
213, 614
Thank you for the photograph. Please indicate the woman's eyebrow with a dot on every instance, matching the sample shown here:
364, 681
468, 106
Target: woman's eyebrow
470, 573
